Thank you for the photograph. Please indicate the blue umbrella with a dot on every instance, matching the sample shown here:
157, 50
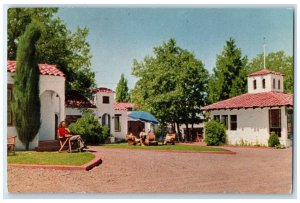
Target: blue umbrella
143, 116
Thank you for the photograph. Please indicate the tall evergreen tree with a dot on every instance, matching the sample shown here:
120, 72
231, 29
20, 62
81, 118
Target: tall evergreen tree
122, 94
26, 102
229, 76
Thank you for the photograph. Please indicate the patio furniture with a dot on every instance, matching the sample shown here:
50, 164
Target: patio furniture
172, 140
131, 139
151, 140
11, 144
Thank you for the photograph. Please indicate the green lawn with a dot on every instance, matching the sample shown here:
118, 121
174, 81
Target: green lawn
179, 147
50, 158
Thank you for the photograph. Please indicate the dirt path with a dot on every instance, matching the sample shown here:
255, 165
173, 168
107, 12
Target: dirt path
266, 171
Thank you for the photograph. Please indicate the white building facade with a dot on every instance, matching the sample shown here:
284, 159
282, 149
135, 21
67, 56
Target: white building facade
52, 97
250, 118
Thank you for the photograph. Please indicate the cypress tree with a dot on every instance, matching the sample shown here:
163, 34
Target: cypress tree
122, 94
26, 102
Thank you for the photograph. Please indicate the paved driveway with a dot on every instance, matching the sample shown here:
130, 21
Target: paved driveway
137, 171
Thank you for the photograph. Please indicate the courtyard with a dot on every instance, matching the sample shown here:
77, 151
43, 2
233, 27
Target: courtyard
249, 171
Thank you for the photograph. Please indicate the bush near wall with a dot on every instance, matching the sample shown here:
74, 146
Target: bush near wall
89, 128
273, 140
215, 133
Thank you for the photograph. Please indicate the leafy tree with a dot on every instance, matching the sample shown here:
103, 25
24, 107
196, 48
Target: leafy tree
26, 103
229, 76
276, 61
58, 45
171, 84
273, 140
89, 128
122, 94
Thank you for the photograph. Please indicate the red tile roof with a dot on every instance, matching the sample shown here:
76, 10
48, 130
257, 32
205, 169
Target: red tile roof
76, 100
257, 100
265, 72
103, 89
123, 106
45, 69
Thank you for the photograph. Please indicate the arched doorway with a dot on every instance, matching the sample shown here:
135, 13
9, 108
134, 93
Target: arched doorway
50, 114
106, 120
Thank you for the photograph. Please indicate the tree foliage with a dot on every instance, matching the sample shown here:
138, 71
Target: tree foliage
70, 51
276, 61
215, 134
122, 94
26, 103
89, 128
229, 77
171, 85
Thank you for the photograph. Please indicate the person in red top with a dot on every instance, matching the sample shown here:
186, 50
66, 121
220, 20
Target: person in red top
64, 132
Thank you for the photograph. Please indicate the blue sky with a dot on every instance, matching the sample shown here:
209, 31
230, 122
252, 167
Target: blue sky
119, 35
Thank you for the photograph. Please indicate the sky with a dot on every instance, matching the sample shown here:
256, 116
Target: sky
117, 36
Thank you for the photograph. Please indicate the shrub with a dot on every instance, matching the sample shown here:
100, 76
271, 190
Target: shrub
273, 140
279, 146
160, 132
214, 133
89, 128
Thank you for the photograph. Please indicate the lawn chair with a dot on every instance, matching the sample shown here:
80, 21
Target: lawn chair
172, 140
131, 139
63, 141
11, 144
151, 140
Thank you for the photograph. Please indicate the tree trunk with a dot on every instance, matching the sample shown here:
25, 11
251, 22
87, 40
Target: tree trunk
192, 131
178, 130
27, 146
187, 132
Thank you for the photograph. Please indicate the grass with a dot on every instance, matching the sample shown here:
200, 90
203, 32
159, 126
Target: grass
50, 158
178, 147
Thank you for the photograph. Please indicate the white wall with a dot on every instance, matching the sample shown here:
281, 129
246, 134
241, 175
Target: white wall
253, 126
123, 122
268, 81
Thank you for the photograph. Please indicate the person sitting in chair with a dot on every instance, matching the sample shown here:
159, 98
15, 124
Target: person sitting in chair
64, 132
170, 138
143, 137
133, 139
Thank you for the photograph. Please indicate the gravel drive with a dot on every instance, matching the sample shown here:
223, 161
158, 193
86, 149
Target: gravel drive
251, 170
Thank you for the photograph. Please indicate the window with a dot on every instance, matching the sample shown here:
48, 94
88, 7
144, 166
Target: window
233, 122
254, 84
273, 83
9, 100
275, 121
105, 100
117, 123
279, 84
217, 118
264, 83
224, 120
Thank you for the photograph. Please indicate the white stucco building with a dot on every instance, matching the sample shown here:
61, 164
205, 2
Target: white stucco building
52, 96
251, 117
56, 107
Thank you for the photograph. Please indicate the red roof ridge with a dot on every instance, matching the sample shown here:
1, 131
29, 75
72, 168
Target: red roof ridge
253, 100
102, 89
265, 72
123, 105
44, 68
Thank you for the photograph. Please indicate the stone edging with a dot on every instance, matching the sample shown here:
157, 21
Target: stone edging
85, 167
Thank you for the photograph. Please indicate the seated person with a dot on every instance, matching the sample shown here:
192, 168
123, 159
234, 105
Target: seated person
64, 132
143, 136
131, 137
170, 137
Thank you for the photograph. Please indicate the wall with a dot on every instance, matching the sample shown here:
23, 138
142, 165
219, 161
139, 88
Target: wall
253, 126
